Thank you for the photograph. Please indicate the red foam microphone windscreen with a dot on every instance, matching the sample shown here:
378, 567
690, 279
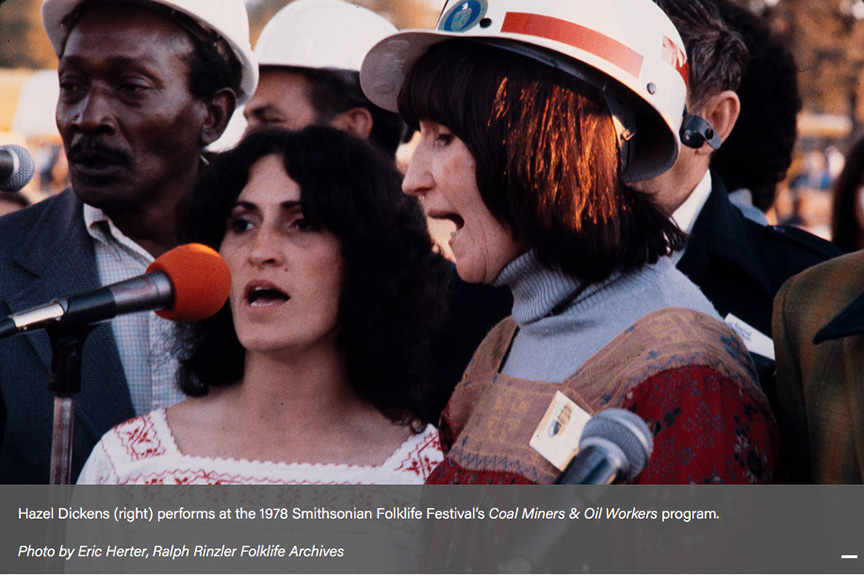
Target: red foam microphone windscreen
201, 281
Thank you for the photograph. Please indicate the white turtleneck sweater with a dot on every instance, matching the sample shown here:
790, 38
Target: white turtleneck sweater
549, 346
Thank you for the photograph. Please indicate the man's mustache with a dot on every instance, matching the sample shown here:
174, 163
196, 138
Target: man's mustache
89, 146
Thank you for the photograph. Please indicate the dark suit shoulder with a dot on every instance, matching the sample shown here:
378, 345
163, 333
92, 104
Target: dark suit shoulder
793, 239
56, 223
20, 222
767, 254
63, 204
56, 209
785, 251
740, 264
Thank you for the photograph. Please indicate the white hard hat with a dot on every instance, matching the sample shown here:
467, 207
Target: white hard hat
321, 34
630, 41
226, 18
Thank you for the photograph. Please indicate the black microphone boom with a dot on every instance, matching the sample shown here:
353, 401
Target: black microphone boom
16, 168
615, 444
150, 291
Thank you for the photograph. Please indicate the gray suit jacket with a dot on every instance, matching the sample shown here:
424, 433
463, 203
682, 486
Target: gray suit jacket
45, 252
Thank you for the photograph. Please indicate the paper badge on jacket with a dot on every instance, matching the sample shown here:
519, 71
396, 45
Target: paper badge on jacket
756, 341
557, 436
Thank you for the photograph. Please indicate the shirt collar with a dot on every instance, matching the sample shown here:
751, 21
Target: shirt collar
102, 230
686, 214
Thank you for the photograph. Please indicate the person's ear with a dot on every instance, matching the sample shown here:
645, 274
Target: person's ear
219, 109
722, 112
357, 121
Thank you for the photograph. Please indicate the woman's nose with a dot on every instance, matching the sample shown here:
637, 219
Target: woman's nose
265, 250
418, 179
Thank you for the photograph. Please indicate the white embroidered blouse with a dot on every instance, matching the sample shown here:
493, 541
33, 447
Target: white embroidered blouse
143, 451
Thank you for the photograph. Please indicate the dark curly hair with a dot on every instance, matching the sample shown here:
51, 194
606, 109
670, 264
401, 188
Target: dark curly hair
546, 155
395, 283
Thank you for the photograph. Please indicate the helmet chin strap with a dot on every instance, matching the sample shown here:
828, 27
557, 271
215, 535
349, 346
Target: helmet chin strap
695, 131
624, 119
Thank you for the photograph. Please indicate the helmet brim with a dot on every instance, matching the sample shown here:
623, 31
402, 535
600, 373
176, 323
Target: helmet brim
388, 63
55, 13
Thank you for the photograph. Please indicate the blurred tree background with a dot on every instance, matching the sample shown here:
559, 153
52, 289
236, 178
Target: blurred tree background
23, 44
827, 38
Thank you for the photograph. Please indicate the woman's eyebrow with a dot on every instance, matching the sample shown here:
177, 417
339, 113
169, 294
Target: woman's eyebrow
287, 205
242, 204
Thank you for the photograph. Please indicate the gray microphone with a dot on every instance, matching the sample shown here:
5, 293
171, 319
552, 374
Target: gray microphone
16, 168
615, 445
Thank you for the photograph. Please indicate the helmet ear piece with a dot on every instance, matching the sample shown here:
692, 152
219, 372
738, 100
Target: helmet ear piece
695, 131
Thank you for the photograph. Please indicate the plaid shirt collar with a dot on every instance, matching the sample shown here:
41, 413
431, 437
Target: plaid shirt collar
103, 230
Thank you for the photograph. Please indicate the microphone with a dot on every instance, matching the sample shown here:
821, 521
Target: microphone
615, 444
190, 282
16, 168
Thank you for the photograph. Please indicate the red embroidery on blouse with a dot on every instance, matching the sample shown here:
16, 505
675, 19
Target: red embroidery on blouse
182, 477
423, 458
138, 437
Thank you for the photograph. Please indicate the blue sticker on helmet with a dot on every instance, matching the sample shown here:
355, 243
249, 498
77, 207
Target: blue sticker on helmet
463, 16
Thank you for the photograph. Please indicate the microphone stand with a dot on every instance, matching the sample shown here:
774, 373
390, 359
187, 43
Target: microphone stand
67, 344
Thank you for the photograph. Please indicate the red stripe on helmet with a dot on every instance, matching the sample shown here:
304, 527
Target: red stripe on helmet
675, 56
577, 36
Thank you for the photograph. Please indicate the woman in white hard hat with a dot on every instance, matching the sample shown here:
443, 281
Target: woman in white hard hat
533, 116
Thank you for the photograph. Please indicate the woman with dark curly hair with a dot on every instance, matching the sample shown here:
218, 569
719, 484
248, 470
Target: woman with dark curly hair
316, 369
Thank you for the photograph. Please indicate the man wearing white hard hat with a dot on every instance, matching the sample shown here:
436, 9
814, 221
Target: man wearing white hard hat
309, 55
145, 86
738, 264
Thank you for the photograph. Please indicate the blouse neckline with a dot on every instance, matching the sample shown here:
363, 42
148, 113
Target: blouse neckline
160, 422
